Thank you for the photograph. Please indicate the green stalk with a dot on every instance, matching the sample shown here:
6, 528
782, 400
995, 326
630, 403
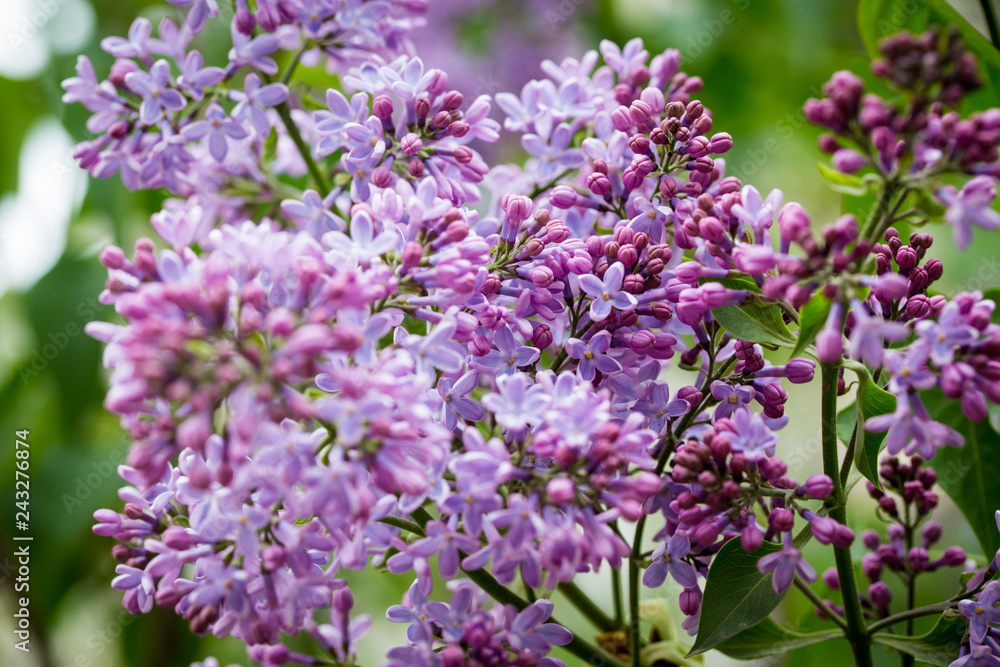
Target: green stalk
285, 113
579, 599
857, 633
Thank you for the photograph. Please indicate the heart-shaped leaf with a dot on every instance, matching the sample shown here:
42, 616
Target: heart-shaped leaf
737, 595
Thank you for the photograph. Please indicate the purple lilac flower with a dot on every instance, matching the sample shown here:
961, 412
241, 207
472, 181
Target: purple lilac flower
607, 293
752, 438
553, 155
658, 407
454, 396
869, 333
592, 357
667, 560
530, 631
508, 355
970, 207
252, 100
520, 404
156, 96
731, 398
218, 128
784, 565
982, 611
947, 334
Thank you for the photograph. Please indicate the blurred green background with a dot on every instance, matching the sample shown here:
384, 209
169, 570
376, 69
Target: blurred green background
760, 60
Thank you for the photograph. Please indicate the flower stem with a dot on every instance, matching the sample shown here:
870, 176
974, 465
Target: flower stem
820, 603
285, 113
581, 601
929, 610
857, 634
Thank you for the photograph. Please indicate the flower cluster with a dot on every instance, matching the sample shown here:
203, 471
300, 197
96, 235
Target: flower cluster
906, 500
360, 345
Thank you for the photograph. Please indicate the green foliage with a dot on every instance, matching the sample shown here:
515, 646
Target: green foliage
756, 320
737, 595
768, 638
970, 475
873, 400
811, 320
838, 181
938, 647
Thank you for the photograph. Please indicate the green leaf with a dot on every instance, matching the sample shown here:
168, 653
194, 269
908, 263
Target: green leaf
811, 321
938, 647
755, 323
769, 638
874, 401
757, 320
838, 181
846, 419
878, 19
737, 595
970, 475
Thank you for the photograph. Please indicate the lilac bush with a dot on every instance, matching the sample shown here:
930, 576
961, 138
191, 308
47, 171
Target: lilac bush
357, 344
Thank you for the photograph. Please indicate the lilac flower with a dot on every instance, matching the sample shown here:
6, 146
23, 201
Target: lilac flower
979, 656
909, 369
156, 96
869, 333
473, 500
756, 212
607, 294
970, 207
520, 404
982, 611
363, 245
658, 407
313, 214
366, 139
195, 77
555, 154
592, 357
784, 565
437, 349
254, 51
752, 438
529, 631
219, 128
508, 355
410, 81
624, 61
199, 12
137, 44
445, 542
909, 427
946, 335
412, 611
667, 559
252, 100
731, 398
456, 402
650, 218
